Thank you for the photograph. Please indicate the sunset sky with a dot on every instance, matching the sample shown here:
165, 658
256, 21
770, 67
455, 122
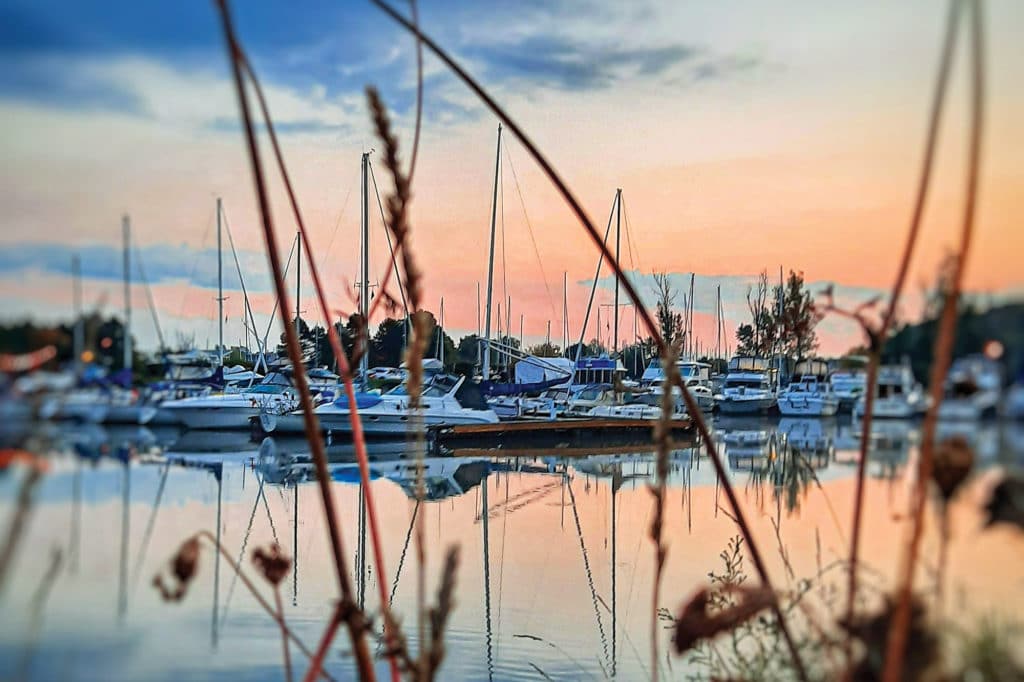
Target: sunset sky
743, 135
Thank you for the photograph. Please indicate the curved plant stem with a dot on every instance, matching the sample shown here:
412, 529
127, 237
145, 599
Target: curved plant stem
207, 535
627, 286
358, 437
284, 636
897, 640
878, 340
356, 622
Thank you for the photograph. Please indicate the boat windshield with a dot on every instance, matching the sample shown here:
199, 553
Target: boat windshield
439, 386
745, 383
268, 388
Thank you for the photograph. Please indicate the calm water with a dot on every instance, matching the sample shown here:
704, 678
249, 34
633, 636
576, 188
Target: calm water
556, 570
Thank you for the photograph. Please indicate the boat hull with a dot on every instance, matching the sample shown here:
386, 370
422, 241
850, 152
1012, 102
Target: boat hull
730, 405
222, 418
888, 409
398, 424
130, 414
808, 406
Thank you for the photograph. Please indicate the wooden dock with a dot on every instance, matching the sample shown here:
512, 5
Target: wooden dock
531, 436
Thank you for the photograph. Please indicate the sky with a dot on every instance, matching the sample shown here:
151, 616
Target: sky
743, 136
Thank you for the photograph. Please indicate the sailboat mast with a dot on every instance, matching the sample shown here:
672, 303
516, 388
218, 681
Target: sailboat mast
440, 335
364, 268
127, 230
220, 292
490, 263
565, 313
718, 321
76, 296
298, 282
618, 240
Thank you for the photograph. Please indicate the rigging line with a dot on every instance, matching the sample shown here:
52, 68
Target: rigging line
270, 517
337, 224
387, 233
241, 554
195, 263
277, 301
529, 228
504, 262
630, 237
629, 240
148, 534
405, 548
241, 281
149, 296
590, 576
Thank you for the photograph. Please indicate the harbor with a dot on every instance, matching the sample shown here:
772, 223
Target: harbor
511, 341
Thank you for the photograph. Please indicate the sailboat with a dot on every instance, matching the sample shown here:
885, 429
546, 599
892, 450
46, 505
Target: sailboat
445, 399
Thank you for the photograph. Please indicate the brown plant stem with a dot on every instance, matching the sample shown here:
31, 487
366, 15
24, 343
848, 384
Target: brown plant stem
16, 529
358, 437
316, 661
627, 286
355, 618
942, 356
877, 340
237, 568
284, 635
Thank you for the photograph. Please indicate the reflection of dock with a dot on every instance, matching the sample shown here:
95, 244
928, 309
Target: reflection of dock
560, 435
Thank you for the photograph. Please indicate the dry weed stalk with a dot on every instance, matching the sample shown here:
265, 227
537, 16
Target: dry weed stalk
184, 565
22, 510
358, 438
355, 619
397, 223
644, 314
877, 336
942, 356
663, 445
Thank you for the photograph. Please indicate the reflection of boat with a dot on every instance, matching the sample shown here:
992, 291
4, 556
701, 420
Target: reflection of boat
807, 435
747, 388
983, 438
972, 389
891, 439
897, 396
1014, 405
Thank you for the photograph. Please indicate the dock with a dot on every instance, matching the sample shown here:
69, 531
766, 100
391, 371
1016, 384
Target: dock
534, 436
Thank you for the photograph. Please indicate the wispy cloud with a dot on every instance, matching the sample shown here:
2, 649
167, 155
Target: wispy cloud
161, 263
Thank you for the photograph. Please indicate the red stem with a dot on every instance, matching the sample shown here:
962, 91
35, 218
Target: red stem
358, 437
356, 628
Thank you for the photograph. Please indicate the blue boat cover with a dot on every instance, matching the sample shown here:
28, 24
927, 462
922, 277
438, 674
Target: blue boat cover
363, 400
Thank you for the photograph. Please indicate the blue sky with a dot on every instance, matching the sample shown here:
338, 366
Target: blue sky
744, 136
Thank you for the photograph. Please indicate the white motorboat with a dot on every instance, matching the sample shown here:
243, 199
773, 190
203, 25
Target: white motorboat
747, 388
972, 390
76, 405
848, 387
274, 394
897, 396
446, 400
695, 375
812, 395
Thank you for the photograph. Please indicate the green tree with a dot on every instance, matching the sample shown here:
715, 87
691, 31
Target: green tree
544, 350
757, 337
796, 324
669, 321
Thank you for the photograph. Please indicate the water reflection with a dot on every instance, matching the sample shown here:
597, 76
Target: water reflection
556, 564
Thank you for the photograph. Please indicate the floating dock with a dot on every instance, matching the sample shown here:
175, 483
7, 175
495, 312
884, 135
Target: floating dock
542, 436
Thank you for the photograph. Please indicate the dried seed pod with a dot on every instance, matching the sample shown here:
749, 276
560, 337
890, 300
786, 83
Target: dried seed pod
694, 623
954, 459
272, 563
183, 568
